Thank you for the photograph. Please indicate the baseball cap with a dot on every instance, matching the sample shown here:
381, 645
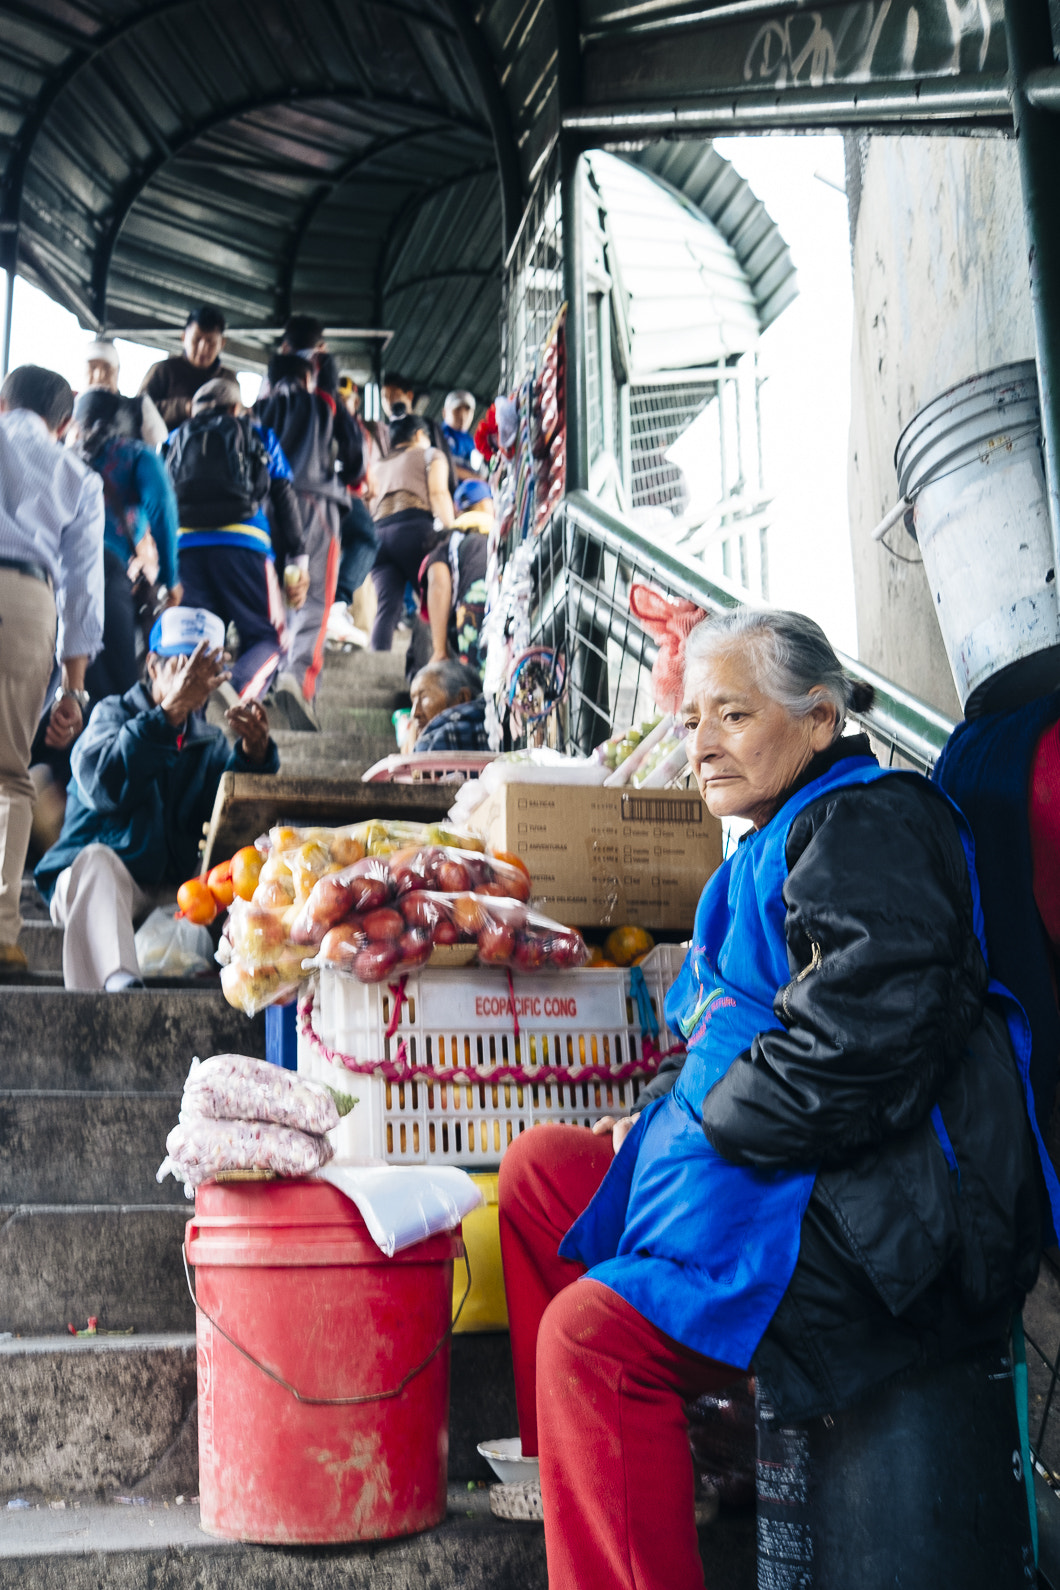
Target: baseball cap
178, 630
469, 492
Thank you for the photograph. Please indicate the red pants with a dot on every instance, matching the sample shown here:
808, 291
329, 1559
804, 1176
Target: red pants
599, 1389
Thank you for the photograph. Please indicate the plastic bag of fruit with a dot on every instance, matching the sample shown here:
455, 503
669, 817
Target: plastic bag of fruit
236, 1087
401, 936
374, 882
199, 1150
253, 988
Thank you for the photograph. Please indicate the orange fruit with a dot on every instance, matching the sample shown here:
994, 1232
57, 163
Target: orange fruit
246, 869
219, 883
196, 901
625, 944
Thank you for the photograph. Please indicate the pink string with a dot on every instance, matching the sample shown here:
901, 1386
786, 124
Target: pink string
401, 1070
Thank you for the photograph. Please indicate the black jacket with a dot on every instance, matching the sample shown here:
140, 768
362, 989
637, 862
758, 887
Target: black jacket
903, 1260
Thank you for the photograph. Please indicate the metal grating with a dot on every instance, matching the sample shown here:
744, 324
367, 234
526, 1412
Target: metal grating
658, 415
533, 284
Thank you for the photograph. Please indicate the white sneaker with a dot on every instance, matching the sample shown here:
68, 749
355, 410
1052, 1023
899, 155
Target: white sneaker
341, 630
287, 695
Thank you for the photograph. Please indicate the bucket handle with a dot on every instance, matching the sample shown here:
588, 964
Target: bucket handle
331, 1402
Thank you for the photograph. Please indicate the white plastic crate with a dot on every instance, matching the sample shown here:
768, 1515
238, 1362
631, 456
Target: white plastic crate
461, 1019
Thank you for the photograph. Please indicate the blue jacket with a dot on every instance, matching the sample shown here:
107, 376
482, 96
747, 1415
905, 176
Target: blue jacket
137, 490
144, 790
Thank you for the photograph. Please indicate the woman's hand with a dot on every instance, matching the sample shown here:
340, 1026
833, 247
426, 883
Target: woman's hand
145, 560
619, 1129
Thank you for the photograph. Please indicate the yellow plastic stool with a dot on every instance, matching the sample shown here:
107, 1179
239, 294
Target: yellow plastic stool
486, 1308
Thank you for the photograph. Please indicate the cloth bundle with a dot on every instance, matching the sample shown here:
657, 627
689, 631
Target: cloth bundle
242, 1114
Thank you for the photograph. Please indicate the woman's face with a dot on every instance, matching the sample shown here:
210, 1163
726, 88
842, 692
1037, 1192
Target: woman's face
744, 748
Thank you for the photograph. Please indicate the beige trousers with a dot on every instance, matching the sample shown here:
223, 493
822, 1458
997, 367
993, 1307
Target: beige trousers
98, 901
27, 649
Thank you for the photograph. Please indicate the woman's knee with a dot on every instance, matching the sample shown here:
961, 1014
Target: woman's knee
528, 1163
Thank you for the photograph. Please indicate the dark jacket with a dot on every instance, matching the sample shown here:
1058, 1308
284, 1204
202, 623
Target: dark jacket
172, 383
903, 1261
144, 790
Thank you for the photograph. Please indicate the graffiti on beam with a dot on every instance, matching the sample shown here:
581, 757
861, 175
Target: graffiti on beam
865, 41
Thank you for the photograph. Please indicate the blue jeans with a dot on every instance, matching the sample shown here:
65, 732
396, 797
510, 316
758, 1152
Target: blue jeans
359, 544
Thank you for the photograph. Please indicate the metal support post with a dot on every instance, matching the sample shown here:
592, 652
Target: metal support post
572, 221
9, 314
1030, 48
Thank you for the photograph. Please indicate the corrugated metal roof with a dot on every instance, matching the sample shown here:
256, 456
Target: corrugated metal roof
694, 169
689, 301
279, 154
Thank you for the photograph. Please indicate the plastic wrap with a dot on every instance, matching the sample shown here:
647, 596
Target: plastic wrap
403, 1204
235, 1087
171, 946
374, 883
374, 945
198, 1151
251, 989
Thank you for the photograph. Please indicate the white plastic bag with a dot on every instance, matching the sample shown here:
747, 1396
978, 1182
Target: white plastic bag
403, 1204
171, 946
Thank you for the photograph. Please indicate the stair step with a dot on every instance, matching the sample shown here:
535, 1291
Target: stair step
99, 1547
84, 1415
141, 1040
84, 1146
95, 1415
62, 1263
43, 944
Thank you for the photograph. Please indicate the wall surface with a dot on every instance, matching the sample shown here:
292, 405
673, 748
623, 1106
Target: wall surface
940, 292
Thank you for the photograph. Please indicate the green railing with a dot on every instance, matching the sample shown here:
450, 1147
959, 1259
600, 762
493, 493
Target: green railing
587, 560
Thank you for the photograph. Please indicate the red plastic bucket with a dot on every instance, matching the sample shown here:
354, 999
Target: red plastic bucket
292, 1289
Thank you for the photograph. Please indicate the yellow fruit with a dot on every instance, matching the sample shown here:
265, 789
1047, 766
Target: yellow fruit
624, 944
246, 870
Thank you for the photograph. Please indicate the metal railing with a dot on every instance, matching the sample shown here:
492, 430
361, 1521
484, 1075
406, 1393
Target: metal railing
587, 558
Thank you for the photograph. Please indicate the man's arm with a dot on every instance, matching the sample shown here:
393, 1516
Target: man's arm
159, 502
79, 595
439, 607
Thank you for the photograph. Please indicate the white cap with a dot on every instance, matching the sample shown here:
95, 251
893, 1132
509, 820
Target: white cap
178, 630
102, 351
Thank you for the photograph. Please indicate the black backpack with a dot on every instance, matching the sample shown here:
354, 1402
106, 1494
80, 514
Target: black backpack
219, 469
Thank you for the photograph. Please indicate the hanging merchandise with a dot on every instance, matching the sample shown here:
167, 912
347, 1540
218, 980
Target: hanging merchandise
550, 428
537, 681
669, 622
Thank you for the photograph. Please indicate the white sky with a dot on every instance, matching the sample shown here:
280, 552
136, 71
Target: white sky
44, 333
805, 354
806, 400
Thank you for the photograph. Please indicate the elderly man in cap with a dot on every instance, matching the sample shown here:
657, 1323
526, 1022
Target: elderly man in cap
135, 417
145, 773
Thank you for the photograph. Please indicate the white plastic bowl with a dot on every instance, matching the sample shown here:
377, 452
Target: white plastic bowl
505, 1457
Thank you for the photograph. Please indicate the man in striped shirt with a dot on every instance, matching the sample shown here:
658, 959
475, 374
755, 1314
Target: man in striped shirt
51, 605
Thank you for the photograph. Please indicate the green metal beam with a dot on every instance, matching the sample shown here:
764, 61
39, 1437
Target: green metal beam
1030, 50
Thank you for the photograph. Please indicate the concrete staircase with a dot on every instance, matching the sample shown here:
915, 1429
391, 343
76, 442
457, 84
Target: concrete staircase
98, 1435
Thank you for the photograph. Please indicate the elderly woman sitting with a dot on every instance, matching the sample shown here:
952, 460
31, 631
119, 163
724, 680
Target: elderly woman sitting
838, 1184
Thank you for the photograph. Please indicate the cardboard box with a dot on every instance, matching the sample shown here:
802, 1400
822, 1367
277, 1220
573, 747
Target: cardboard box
603, 857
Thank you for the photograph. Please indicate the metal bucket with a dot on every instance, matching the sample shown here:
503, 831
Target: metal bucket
970, 463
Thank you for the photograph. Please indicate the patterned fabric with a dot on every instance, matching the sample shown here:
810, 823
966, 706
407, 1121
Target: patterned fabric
51, 513
459, 728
